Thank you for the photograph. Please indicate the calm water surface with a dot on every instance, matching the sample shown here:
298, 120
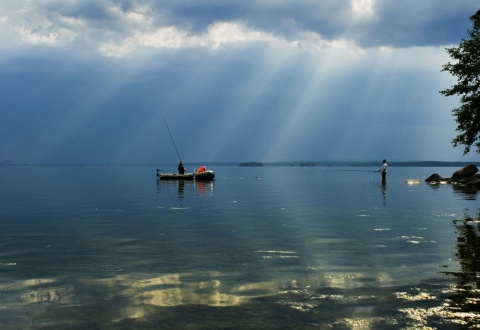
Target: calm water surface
92, 247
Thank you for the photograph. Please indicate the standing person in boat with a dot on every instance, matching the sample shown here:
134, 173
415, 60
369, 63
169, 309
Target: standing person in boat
383, 171
181, 168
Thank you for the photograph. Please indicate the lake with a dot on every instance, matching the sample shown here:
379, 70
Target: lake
109, 247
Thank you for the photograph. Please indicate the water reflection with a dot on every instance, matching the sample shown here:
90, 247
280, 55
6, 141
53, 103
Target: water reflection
181, 189
461, 301
284, 254
204, 187
466, 191
465, 303
317, 298
178, 185
384, 193
382, 187
186, 289
185, 187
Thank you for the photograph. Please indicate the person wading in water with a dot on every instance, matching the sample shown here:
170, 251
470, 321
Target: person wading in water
383, 171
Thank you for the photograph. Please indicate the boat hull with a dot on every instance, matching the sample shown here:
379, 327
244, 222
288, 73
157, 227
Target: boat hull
175, 176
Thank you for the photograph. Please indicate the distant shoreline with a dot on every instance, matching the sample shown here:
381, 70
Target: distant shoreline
264, 164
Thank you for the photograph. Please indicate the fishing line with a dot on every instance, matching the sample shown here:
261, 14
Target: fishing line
180, 158
354, 171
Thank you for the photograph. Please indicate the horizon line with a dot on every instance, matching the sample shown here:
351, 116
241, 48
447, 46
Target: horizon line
303, 163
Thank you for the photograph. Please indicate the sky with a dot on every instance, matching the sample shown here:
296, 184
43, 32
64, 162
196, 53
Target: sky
91, 81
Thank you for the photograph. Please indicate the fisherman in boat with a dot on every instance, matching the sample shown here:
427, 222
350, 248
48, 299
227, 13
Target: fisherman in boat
181, 168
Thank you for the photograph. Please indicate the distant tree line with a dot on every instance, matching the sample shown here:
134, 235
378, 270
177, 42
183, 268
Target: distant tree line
253, 164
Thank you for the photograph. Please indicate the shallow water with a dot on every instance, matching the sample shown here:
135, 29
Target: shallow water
85, 247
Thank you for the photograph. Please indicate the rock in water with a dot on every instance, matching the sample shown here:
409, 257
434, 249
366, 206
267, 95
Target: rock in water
465, 172
435, 177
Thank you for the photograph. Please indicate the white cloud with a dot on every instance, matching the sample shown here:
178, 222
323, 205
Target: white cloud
232, 32
170, 37
74, 22
112, 49
313, 42
60, 36
222, 34
363, 8
165, 37
138, 15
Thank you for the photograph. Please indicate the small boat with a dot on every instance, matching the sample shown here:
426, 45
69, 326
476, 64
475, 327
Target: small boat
202, 174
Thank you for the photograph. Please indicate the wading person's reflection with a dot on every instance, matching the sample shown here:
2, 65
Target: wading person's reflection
384, 193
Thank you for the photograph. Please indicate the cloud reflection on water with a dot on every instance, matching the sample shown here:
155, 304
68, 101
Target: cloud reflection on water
137, 297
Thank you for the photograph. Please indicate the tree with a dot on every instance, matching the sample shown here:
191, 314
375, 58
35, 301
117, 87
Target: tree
466, 68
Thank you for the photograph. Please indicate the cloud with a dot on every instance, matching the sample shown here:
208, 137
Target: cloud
106, 25
216, 35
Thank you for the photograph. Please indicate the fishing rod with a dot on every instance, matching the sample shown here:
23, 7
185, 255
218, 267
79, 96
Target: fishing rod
180, 158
